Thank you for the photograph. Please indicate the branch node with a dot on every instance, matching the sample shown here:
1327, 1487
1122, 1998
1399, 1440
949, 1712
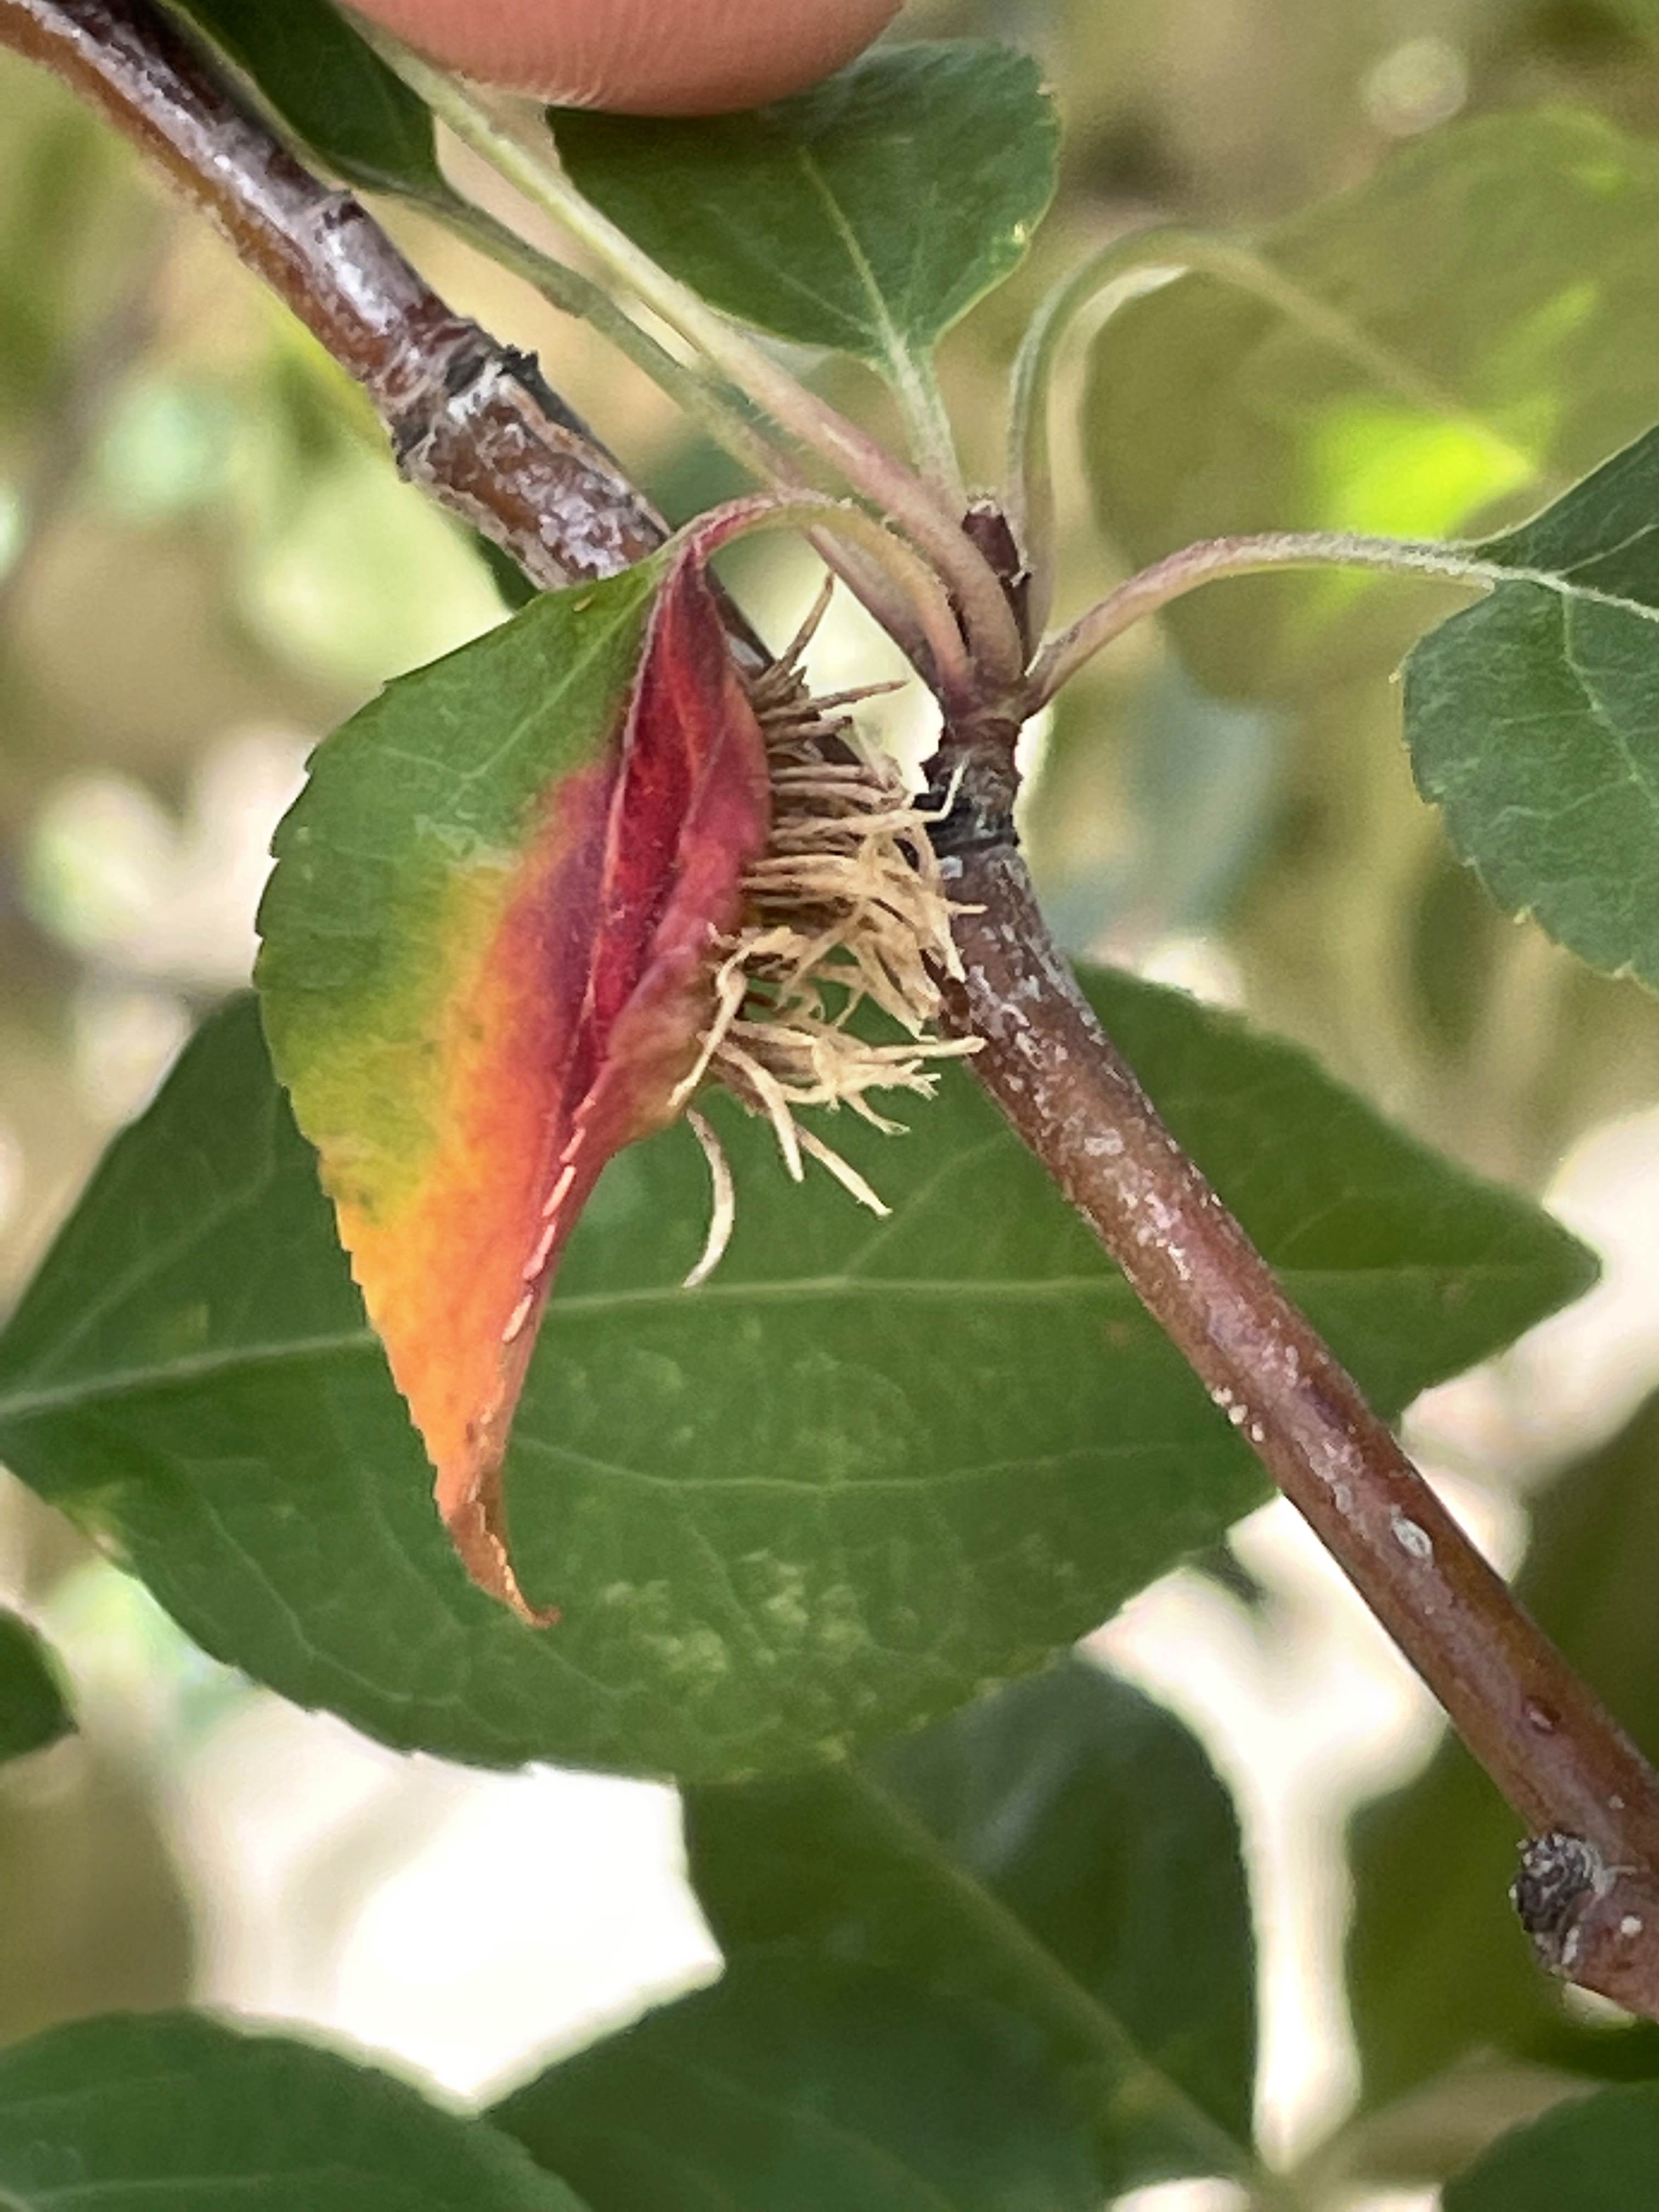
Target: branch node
1558, 1873
1592, 1923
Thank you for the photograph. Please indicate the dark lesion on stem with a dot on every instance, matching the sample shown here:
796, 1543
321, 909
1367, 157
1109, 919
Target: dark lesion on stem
972, 782
469, 370
968, 800
1591, 1924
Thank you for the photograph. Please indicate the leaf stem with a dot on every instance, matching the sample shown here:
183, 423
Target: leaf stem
864, 463
689, 385
933, 443
1149, 589
825, 518
1117, 272
1073, 2007
1540, 1732
1124, 270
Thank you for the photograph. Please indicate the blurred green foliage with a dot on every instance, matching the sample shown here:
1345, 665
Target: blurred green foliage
200, 538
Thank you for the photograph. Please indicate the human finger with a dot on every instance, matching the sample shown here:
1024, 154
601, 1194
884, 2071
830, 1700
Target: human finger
640, 57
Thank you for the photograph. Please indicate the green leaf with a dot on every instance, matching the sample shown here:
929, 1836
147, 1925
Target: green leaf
801, 2085
1062, 1847
329, 88
1475, 321
1598, 2154
1438, 1966
1532, 719
866, 214
866, 1470
168, 2108
32, 1711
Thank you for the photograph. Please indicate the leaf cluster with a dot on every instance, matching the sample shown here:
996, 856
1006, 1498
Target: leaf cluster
823, 1531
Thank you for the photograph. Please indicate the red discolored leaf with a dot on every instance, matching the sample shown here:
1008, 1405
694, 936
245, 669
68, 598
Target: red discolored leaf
531, 849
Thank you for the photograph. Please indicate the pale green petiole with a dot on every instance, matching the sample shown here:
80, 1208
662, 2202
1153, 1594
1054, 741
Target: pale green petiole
1207, 562
865, 466
1124, 271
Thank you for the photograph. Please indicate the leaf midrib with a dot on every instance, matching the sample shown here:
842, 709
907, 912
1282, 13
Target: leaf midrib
28, 1404
1065, 1996
25, 1404
891, 342
804, 2122
1559, 582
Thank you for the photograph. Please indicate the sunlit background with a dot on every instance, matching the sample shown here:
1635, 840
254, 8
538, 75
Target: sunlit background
206, 562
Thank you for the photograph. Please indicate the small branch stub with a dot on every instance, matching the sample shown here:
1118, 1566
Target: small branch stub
1558, 1873
1591, 1924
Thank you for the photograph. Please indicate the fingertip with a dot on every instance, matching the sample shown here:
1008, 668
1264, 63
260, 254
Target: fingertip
637, 57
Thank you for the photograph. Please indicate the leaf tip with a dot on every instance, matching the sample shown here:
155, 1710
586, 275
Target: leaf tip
471, 1505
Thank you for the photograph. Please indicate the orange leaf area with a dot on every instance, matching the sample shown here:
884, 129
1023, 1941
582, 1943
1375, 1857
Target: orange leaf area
570, 1035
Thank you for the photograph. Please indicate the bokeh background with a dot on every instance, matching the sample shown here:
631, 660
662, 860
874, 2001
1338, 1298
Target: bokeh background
206, 562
